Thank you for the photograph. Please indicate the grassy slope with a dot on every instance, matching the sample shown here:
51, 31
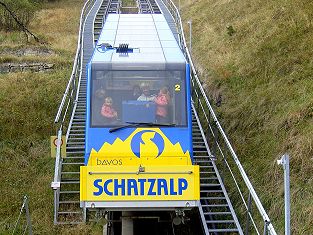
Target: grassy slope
264, 74
28, 104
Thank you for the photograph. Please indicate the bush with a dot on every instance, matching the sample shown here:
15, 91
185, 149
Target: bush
23, 9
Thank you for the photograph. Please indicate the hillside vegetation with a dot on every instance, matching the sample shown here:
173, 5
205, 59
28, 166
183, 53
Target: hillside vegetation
258, 56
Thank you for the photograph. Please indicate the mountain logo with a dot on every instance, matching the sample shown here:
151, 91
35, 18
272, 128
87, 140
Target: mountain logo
147, 143
142, 147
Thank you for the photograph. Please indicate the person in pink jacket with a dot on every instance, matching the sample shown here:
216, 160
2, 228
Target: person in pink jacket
162, 101
107, 111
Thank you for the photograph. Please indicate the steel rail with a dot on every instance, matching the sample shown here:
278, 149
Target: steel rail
234, 155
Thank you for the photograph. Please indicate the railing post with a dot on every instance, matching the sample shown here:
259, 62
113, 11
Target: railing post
248, 217
55, 207
208, 138
284, 161
265, 227
198, 102
189, 22
215, 139
56, 180
224, 159
29, 221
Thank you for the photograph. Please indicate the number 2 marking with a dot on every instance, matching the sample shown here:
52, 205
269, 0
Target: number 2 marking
177, 87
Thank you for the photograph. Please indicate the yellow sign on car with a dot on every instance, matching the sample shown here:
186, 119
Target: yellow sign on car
127, 183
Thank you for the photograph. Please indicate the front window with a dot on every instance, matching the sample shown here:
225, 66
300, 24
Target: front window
120, 97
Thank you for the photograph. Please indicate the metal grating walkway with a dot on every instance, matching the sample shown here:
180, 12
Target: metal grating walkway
216, 211
69, 208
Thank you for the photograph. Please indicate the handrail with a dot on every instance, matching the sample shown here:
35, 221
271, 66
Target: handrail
76, 61
175, 13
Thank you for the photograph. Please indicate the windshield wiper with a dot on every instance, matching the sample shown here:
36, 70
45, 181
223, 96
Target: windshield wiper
135, 124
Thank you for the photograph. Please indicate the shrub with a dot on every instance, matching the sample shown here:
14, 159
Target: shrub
23, 9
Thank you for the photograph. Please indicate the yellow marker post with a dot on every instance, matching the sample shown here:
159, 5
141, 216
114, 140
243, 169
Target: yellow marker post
53, 144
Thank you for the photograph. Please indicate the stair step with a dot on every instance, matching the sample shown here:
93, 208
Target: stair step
220, 221
69, 192
208, 178
69, 179
215, 205
76, 122
69, 212
73, 158
210, 185
218, 213
78, 126
75, 152
72, 144
73, 163
213, 198
210, 191
78, 134
70, 222
75, 138
75, 147
203, 161
79, 119
199, 146
69, 202
70, 182
226, 230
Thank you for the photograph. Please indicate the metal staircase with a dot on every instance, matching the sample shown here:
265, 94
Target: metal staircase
215, 207
99, 20
148, 7
69, 207
114, 7
107, 7
69, 211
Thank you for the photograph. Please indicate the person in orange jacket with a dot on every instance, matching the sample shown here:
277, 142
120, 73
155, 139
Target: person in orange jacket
162, 101
107, 111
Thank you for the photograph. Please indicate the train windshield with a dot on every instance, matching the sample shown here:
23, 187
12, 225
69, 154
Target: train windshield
122, 97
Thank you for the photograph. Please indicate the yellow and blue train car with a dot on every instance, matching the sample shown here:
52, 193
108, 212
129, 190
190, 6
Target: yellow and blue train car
138, 146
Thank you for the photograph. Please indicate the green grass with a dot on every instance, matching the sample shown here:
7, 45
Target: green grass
263, 70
